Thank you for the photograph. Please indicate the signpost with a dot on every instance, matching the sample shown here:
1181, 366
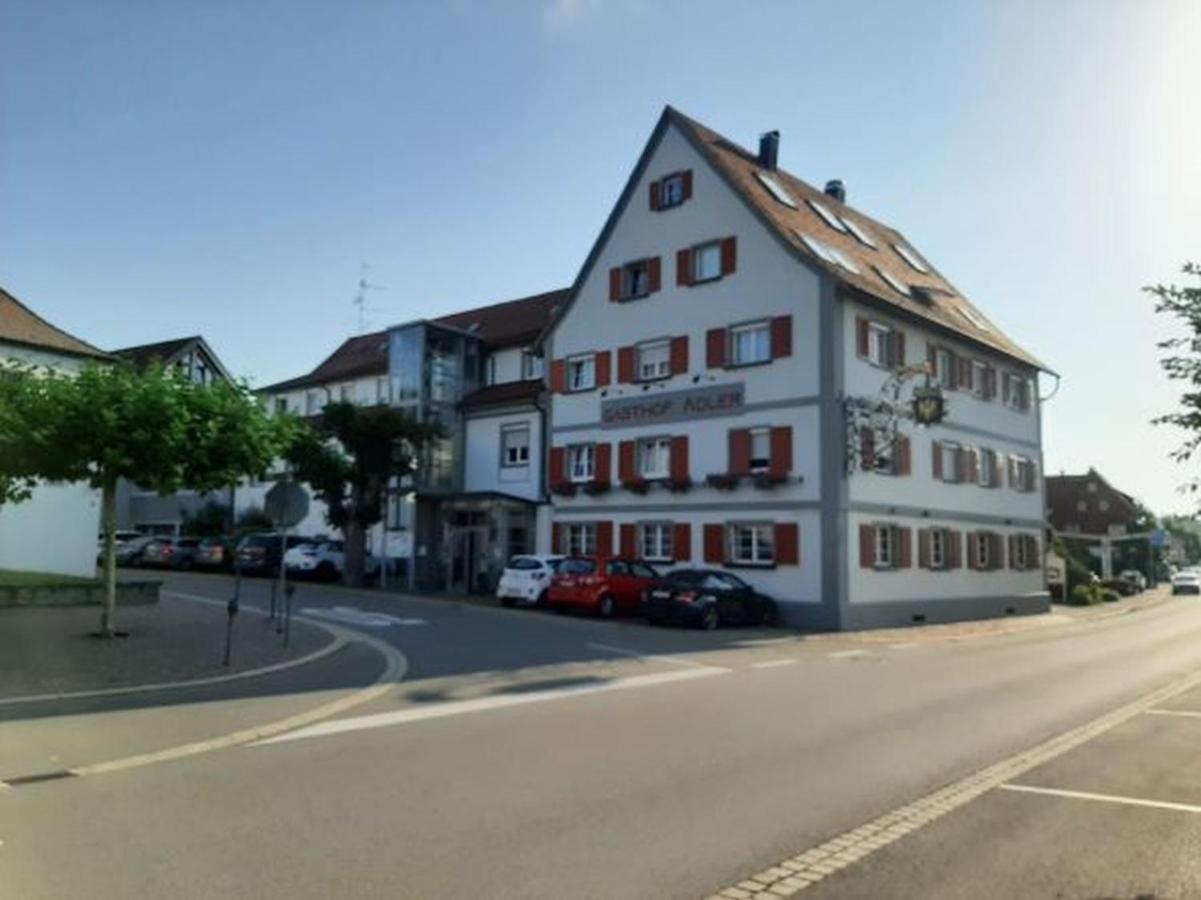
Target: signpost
286, 504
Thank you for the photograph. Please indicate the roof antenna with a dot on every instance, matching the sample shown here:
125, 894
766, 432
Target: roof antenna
360, 298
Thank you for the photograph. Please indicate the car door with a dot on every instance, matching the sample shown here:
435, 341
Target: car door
617, 581
642, 578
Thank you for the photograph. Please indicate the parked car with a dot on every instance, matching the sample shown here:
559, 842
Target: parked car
600, 584
324, 560
526, 580
1136, 578
706, 598
170, 553
259, 553
215, 554
1186, 582
129, 552
120, 538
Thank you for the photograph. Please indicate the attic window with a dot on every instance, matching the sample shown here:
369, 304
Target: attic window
893, 282
832, 220
972, 316
841, 259
776, 189
910, 257
860, 233
817, 248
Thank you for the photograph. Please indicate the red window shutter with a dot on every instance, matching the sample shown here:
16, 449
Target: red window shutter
904, 548
602, 368
678, 467
654, 198
615, 283
558, 465
990, 383
604, 538
715, 545
556, 538
684, 266
558, 376
729, 255
687, 184
655, 273
973, 466
679, 355
629, 539
740, 452
923, 548
936, 455
681, 541
954, 549
901, 456
625, 364
781, 337
781, 450
867, 546
1013, 557
625, 462
604, 462
861, 336
788, 550
965, 373
898, 348
715, 348
867, 448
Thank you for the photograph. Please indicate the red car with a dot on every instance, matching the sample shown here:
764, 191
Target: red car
604, 585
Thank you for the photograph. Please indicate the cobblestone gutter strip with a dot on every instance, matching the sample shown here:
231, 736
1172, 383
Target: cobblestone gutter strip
798, 872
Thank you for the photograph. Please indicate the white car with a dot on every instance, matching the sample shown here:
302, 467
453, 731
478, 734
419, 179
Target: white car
324, 561
1135, 577
526, 579
1186, 582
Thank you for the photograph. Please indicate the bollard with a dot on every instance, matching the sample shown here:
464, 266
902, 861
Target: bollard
231, 609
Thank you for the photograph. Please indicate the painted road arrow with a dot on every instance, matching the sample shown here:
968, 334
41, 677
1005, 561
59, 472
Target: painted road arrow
352, 615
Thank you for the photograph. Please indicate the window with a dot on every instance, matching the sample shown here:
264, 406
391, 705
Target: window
760, 449
885, 546
531, 365
879, 345
581, 462
654, 360
1023, 473
860, 233
1081, 506
671, 191
1103, 506
776, 189
841, 259
1020, 553
944, 368
281, 405
910, 257
346, 393
381, 390
636, 279
706, 262
820, 250
752, 544
515, 445
580, 540
750, 344
654, 457
983, 550
654, 541
883, 459
311, 401
950, 462
938, 548
1016, 391
980, 380
895, 283
986, 468
830, 219
581, 373
973, 317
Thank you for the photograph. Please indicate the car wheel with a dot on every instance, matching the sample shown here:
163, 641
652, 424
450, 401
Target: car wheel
507, 602
543, 599
327, 571
709, 618
607, 607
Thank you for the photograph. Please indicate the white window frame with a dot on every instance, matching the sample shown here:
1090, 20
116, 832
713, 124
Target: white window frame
879, 345
762, 543
631, 273
668, 183
531, 365
950, 452
944, 367
312, 403
518, 460
980, 379
986, 467
346, 393
579, 538
699, 253
884, 546
760, 463
581, 462
938, 548
381, 389
281, 405
984, 543
1019, 387
655, 541
763, 346
585, 364
658, 368
1019, 552
653, 449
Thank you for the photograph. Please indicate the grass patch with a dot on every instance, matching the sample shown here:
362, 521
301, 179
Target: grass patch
13, 578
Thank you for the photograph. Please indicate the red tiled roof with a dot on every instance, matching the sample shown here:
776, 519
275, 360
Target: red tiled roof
509, 392
21, 325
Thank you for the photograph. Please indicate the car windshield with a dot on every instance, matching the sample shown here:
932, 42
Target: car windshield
577, 567
524, 563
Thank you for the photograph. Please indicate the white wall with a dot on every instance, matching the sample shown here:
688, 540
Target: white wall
483, 470
363, 391
504, 366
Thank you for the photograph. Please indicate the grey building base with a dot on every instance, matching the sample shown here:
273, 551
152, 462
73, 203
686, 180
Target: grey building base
902, 613
129, 593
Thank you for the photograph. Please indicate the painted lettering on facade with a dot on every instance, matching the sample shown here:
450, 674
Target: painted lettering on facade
674, 406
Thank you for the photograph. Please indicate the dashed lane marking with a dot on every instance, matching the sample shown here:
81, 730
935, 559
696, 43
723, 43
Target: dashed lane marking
1103, 798
670, 660
772, 663
1183, 713
847, 654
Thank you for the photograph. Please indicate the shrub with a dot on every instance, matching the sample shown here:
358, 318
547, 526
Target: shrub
1108, 595
1083, 595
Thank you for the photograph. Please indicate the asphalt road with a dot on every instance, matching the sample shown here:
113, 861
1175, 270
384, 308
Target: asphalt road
528, 755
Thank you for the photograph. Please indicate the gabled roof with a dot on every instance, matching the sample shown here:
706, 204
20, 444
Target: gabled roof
937, 302
21, 325
1065, 493
505, 393
168, 351
510, 323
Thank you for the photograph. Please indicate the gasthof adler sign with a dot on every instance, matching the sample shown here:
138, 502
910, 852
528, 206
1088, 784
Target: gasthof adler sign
673, 406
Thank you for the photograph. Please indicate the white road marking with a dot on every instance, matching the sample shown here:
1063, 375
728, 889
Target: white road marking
847, 654
772, 663
1103, 798
670, 660
904, 646
352, 615
1183, 713
482, 704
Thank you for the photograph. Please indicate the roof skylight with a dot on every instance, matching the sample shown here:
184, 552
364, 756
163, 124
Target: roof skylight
776, 189
842, 260
819, 249
832, 220
895, 283
972, 316
860, 233
910, 257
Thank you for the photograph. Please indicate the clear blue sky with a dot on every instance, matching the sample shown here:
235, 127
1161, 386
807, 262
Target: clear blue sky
225, 167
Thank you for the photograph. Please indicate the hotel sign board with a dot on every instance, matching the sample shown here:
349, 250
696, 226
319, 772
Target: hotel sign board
674, 406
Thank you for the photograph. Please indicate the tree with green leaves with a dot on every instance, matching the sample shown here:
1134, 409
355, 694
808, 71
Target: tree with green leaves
1182, 359
149, 425
348, 458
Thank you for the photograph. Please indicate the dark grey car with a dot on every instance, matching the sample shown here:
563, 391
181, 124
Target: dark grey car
171, 553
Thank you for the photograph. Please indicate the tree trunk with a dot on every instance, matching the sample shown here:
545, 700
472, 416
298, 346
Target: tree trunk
356, 551
108, 515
